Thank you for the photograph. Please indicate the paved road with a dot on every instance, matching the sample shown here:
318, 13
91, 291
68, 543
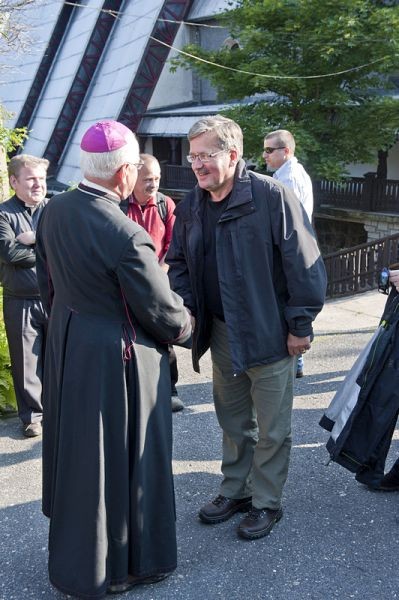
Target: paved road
337, 539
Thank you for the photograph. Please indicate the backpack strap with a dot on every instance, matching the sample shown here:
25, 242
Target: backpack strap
161, 206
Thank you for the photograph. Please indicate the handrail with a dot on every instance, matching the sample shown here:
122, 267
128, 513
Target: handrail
359, 193
354, 270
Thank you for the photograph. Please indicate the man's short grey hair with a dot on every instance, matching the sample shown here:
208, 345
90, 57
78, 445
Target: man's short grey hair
228, 132
104, 165
283, 138
17, 163
149, 159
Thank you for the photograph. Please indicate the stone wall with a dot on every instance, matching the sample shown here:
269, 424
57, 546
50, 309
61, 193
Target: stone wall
339, 228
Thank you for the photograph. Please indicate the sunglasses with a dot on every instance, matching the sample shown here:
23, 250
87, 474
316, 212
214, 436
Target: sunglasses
270, 150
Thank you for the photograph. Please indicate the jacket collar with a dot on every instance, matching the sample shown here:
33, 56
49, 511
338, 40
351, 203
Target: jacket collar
240, 198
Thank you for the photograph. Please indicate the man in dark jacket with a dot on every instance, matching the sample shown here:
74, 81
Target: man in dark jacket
24, 318
248, 267
107, 423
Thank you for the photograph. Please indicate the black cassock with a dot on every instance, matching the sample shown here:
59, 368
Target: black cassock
107, 430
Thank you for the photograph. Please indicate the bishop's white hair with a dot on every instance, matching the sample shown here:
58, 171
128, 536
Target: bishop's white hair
104, 165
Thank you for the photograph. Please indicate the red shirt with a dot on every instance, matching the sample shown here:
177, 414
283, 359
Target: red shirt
148, 217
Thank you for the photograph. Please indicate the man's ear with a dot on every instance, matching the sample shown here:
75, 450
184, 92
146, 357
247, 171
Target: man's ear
120, 175
233, 157
13, 181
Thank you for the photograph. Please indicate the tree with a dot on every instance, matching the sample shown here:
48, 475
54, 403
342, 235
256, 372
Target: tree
318, 69
14, 30
14, 37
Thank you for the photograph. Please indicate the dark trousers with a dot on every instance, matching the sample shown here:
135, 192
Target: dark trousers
174, 373
26, 326
374, 472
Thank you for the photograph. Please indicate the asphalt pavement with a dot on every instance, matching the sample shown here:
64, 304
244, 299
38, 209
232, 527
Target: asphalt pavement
337, 539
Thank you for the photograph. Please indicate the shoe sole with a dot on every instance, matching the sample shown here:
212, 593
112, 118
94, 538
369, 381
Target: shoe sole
213, 520
259, 534
31, 434
121, 588
387, 489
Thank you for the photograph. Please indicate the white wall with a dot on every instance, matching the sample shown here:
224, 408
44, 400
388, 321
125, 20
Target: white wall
358, 170
174, 88
20, 68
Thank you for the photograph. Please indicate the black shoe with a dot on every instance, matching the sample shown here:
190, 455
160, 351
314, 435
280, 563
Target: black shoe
177, 404
299, 373
222, 508
390, 481
32, 429
120, 588
258, 523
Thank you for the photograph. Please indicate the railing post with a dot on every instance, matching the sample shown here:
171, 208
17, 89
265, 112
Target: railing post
368, 192
317, 194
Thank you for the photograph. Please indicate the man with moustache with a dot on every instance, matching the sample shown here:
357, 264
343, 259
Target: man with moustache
249, 270
24, 317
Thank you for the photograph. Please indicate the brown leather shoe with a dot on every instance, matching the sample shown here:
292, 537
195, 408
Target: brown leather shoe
258, 523
120, 588
222, 508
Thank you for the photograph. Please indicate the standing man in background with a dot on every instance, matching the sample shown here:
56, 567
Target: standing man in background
24, 317
154, 211
279, 155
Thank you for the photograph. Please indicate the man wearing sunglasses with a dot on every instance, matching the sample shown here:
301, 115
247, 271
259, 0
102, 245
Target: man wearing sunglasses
279, 155
249, 270
278, 152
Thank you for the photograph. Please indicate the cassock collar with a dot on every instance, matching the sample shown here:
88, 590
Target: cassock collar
97, 190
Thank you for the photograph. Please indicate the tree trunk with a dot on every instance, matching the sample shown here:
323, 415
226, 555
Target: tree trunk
4, 185
382, 169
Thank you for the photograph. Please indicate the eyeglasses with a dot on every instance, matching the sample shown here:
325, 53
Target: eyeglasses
270, 150
204, 157
138, 165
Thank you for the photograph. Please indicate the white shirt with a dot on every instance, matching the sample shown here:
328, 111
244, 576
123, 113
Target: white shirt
294, 176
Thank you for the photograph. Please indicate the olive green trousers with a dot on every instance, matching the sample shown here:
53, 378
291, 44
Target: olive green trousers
254, 411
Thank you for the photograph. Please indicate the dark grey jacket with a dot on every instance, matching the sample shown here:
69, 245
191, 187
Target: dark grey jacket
272, 277
17, 261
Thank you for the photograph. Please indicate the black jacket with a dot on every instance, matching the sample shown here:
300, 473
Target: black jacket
272, 277
360, 437
17, 261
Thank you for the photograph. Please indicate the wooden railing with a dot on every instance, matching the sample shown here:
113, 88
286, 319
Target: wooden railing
175, 177
359, 193
356, 269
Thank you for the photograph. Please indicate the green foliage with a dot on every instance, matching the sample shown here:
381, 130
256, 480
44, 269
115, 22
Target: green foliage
345, 116
10, 139
7, 395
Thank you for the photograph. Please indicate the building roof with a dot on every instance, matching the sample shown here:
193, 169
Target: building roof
176, 122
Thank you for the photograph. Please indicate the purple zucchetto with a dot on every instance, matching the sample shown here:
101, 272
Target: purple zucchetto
106, 136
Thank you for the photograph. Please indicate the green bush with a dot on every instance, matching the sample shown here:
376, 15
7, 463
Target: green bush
8, 403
